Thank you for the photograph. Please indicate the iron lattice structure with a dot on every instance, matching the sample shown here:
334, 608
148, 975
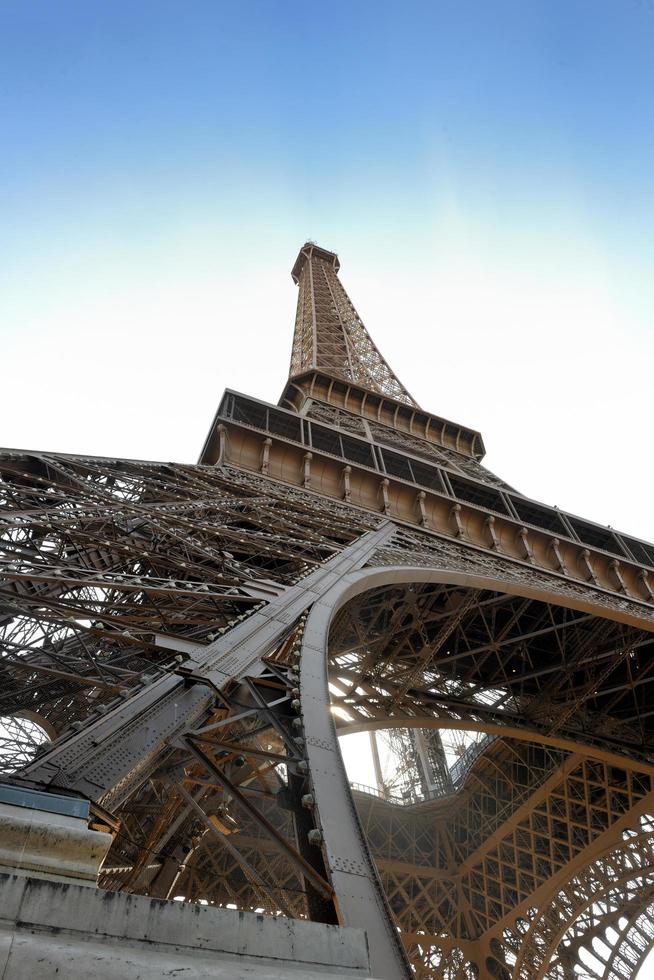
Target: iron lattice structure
183, 645
329, 334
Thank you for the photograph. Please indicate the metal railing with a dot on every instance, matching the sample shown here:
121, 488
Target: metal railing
458, 772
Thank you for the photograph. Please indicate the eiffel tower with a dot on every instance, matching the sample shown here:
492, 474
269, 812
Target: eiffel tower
183, 645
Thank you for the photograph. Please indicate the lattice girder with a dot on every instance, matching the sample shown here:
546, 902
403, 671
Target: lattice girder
330, 335
115, 570
488, 657
445, 906
171, 634
504, 841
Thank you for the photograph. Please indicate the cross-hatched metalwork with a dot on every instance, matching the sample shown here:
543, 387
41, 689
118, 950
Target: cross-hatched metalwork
184, 644
329, 334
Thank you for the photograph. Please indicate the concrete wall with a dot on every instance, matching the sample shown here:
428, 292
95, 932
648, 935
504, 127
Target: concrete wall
53, 929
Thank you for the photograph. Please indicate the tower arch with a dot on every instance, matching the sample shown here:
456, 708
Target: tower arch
199, 635
570, 759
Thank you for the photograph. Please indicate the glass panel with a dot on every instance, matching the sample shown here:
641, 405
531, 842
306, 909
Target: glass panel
285, 425
357, 452
250, 412
397, 465
597, 537
477, 493
539, 516
325, 440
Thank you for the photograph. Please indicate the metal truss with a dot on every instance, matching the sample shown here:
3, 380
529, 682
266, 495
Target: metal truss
447, 652
329, 334
183, 645
119, 577
500, 900
112, 569
504, 664
386, 435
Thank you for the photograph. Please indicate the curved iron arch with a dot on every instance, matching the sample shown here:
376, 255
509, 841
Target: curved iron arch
532, 957
359, 894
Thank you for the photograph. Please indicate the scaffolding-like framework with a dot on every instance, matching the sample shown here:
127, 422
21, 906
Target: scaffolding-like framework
184, 644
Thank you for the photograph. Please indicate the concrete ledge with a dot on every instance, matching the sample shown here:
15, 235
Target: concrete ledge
56, 845
49, 928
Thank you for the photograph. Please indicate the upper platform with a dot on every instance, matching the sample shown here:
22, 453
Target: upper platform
311, 250
407, 418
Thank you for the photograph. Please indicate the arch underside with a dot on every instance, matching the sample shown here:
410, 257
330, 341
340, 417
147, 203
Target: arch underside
536, 859
490, 873
557, 671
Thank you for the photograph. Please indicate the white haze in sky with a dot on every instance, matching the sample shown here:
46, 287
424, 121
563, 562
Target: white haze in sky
484, 171
125, 348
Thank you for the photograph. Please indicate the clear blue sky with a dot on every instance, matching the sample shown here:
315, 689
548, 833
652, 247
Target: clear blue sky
130, 118
483, 167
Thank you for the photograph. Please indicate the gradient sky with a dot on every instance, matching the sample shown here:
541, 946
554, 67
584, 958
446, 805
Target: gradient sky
483, 167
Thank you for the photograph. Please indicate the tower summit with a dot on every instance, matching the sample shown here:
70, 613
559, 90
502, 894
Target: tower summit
329, 333
183, 645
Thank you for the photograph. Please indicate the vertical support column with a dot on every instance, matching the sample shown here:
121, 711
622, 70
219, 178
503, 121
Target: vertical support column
306, 480
359, 895
347, 489
379, 778
265, 456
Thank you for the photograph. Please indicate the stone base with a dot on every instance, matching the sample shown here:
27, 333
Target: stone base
49, 929
47, 835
